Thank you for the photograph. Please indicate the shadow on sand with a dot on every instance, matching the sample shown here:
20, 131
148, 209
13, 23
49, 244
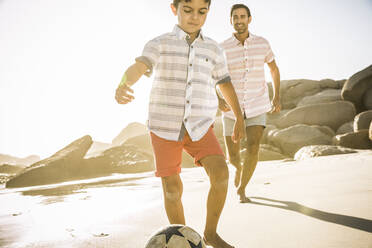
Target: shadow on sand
345, 220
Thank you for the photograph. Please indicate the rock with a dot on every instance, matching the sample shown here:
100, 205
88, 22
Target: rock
268, 128
119, 159
370, 131
271, 119
367, 99
347, 127
7, 159
321, 150
269, 152
292, 91
356, 86
356, 140
10, 169
332, 114
328, 95
132, 130
362, 120
291, 139
96, 148
63, 166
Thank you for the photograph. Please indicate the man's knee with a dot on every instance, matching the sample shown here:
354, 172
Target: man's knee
234, 159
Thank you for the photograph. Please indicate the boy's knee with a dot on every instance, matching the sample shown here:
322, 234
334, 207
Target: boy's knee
172, 191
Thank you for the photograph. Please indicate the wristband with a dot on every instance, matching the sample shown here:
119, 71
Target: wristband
123, 80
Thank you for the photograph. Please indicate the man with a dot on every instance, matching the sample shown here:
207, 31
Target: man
246, 55
182, 109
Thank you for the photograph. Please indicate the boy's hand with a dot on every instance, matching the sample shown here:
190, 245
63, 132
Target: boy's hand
222, 105
122, 95
239, 130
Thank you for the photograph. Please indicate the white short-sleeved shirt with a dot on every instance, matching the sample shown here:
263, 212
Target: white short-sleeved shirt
183, 91
246, 68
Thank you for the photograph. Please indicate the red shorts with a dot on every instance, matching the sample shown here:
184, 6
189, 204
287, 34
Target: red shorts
168, 153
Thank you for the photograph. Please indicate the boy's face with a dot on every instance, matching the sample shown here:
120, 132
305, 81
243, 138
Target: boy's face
240, 20
191, 15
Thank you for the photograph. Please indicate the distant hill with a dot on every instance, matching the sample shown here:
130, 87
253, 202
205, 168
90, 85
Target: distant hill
11, 160
132, 130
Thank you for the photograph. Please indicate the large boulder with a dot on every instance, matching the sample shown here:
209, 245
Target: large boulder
125, 158
96, 148
362, 120
347, 127
265, 134
321, 150
291, 139
356, 140
357, 88
332, 114
328, 95
292, 91
64, 165
367, 99
132, 130
370, 131
272, 118
269, 152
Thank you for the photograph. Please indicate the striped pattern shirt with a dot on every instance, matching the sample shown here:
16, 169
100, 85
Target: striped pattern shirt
183, 96
246, 68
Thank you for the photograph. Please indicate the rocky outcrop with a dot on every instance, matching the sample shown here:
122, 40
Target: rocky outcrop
362, 120
132, 130
329, 95
357, 89
332, 114
268, 152
321, 150
356, 140
96, 148
291, 139
347, 127
370, 131
62, 166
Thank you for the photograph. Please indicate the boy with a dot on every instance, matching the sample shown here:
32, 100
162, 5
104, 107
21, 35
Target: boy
182, 109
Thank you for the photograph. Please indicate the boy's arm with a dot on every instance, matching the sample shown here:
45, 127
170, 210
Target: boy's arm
228, 92
275, 74
130, 77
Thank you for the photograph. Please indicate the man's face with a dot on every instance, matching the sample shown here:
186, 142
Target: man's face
240, 20
191, 15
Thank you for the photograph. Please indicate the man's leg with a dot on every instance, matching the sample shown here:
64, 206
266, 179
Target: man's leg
216, 168
254, 134
233, 150
172, 190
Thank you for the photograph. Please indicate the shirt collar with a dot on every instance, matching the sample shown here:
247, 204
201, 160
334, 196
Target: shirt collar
250, 38
182, 35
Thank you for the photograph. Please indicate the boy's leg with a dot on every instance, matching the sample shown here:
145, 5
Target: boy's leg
254, 134
216, 168
233, 149
168, 157
172, 190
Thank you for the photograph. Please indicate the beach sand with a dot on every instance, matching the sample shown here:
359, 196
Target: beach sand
318, 202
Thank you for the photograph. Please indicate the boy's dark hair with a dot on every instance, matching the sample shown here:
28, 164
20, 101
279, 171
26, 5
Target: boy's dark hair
239, 6
176, 2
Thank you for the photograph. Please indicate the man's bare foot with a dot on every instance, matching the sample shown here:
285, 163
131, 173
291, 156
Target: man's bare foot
238, 174
215, 241
242, 196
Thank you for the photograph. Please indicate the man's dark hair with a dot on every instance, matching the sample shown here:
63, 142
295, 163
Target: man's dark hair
176, 2
239, 6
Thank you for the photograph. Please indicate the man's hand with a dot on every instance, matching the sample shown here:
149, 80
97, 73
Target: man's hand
239, 130
222, 105
275, 105
122, 95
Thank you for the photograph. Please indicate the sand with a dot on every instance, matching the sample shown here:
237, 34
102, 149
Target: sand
318, 202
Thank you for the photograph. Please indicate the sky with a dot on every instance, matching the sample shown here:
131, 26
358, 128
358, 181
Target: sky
61, 60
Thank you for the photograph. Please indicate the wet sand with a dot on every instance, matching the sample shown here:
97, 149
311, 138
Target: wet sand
319, 202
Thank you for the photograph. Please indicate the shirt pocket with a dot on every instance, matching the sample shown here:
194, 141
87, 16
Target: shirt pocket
204, 65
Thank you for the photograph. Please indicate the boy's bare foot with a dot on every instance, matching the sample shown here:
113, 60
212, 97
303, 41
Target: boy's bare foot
238, 174
243, 198
215, 241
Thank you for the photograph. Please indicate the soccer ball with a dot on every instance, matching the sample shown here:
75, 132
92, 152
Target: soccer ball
176, 236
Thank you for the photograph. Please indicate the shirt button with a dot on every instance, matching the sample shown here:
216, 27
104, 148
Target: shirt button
187, 101
185, 119
192, 46
190, 65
